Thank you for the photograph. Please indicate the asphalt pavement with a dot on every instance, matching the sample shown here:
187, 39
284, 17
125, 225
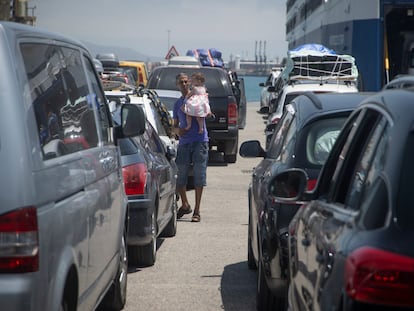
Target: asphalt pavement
204, 267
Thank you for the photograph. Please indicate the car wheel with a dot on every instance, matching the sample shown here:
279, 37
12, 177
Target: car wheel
115, 299
230, 158
64, 306
265, 300
145, 255
251, 263
171, 229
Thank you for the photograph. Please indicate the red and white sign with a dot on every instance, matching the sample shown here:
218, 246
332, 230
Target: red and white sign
171, 52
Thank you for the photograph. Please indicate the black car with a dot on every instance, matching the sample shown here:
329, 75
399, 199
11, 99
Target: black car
350, 246
302, 138
223, 129
149, 174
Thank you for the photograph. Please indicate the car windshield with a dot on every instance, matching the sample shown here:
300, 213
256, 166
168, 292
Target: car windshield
169, 102
166, 79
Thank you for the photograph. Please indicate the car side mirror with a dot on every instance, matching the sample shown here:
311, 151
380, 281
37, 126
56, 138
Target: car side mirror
171, 153
271, 89
273, 101
132, 120
289, 185
251, 149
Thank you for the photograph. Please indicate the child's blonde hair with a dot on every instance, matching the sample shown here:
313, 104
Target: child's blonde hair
198, 76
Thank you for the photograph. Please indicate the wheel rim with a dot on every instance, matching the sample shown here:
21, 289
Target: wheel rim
123, 270
154, 235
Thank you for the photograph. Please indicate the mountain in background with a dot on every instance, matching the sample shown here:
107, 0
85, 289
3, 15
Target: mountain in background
122, 52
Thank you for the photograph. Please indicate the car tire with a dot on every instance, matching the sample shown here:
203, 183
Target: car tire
145, 255
230, 158
64, 306
265, 300
115, 298
251, 263
171, 228
250, 258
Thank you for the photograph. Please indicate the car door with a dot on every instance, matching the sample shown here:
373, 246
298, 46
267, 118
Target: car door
263, 171
365, 208
103, 177
163, 172
327, 224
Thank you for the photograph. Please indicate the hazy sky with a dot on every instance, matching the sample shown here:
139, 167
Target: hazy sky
150, 27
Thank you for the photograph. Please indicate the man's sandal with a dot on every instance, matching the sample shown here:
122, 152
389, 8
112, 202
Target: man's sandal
183, 211
196, 218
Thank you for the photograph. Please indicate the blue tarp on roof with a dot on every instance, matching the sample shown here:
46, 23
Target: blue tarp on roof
313, 47
207, 57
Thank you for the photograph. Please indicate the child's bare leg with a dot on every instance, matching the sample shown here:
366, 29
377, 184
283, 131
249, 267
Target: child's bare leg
188, 119
200, 124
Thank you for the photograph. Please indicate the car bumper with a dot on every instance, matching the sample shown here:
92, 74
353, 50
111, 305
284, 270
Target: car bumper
20, 292
229, 137
140, 221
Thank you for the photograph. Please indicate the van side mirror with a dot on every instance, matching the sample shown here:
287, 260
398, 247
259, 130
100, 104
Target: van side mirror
132, 120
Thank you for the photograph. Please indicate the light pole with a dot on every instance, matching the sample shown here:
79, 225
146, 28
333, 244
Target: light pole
168, 37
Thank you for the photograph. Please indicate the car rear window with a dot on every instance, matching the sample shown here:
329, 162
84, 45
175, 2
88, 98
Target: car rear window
321, 136
165, 79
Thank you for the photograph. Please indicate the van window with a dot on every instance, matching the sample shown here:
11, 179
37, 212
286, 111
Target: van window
97, 98
64, 108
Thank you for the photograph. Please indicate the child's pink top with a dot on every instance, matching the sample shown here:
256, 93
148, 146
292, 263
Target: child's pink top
197, 105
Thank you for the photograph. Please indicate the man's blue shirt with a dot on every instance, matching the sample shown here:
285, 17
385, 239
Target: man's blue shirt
192, 134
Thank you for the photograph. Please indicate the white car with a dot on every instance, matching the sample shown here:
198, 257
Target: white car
294, 89
168, 98
150, 108
267, 91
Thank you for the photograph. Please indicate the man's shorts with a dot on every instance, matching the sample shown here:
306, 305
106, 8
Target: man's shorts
195, 153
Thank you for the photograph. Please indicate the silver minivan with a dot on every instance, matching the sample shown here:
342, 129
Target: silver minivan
62, 204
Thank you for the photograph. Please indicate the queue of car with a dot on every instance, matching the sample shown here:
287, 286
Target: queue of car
95, 157
329, 205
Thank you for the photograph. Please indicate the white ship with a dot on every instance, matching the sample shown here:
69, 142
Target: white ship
379, 34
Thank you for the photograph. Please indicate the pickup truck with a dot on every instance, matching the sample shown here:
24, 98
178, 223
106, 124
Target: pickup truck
227, 102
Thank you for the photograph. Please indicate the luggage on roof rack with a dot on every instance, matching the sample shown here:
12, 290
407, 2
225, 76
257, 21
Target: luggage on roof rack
316, 62
207, 57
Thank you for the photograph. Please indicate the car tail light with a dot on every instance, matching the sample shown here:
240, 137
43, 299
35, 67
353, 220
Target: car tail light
232, 113
135, 178
141, 77
311, 184
274, 120
379, 277
19, 245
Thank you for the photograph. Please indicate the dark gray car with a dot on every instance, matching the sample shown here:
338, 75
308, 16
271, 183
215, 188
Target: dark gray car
149, 173
302, 139
350, 244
